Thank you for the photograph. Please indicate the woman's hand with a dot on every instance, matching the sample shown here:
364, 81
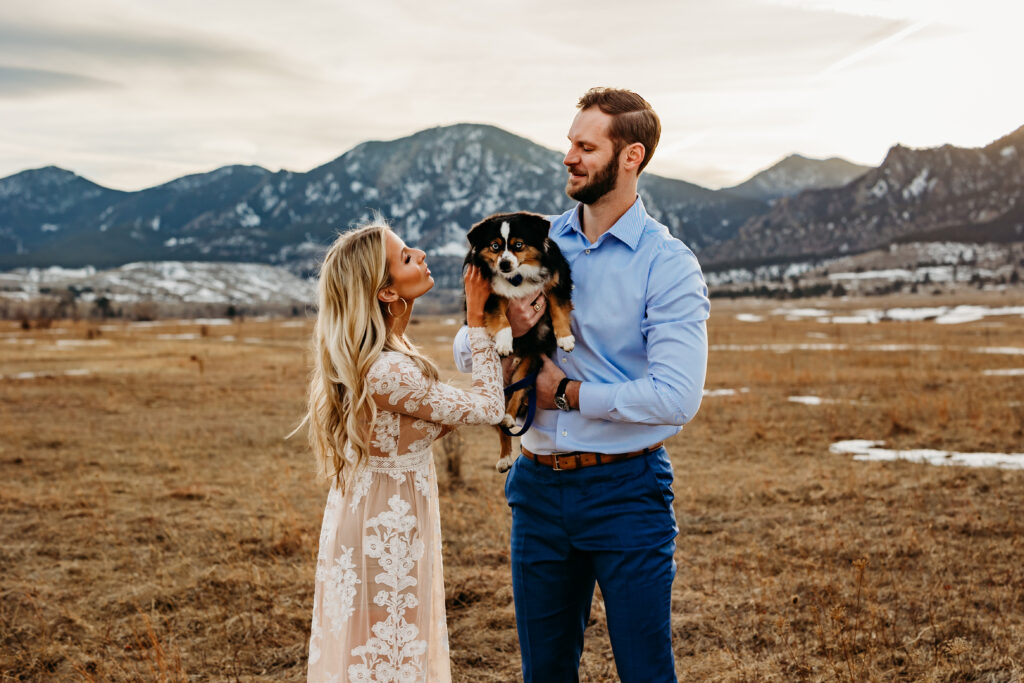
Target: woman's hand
477, 290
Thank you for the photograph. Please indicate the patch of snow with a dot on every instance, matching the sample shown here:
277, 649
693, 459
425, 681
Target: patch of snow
209, 321
1001, 350
186, 335
869, 451
749, 318
49, 227
797, 313
67, 343
961, 314
918, 185
810, 400
1005, 372
915, 314
247, 218
725, 392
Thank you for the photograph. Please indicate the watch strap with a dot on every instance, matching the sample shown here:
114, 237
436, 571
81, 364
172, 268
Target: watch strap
560, 391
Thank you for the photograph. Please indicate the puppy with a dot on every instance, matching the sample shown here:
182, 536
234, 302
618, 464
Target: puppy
514, 252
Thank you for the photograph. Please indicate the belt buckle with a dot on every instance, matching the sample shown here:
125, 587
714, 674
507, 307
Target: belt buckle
554, 463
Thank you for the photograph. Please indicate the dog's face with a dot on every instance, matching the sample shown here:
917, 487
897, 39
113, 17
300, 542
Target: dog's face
511, 246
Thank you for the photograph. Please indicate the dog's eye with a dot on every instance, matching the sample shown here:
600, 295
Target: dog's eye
495, 246
517, 245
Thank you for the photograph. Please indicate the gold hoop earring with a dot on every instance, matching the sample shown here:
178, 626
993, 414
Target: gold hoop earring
406, 303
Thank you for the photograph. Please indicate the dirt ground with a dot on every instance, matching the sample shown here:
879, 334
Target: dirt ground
156, 525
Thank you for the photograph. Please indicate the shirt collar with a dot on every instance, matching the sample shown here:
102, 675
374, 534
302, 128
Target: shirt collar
627, 229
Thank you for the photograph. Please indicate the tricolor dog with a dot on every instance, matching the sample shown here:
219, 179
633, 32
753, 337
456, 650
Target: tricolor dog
513, 251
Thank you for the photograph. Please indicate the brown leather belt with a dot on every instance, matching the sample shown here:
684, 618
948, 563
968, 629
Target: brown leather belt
577, 459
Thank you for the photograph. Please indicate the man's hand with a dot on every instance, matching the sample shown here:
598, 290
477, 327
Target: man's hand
547, 383
523, 313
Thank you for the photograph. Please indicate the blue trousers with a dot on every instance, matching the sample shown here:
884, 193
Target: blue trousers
611, 524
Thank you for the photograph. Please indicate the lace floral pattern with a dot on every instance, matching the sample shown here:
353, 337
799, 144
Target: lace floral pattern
378, 607
393, 653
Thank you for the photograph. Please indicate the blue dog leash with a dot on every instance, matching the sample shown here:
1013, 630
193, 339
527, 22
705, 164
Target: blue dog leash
530, 382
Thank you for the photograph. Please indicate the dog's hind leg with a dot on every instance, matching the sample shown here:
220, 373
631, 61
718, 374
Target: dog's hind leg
516, 405
505, 458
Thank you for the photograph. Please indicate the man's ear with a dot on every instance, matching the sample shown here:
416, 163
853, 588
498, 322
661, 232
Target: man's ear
635, 155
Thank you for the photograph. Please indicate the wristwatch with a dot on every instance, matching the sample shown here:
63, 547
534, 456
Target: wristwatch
561, 402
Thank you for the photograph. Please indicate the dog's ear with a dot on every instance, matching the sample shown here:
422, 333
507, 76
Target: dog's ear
480, 233
535, 226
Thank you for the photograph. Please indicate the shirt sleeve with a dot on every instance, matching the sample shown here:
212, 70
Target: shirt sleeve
398, 385
675, 330
461, 351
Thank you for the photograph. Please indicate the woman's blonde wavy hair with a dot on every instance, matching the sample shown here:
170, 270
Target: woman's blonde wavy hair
352, 329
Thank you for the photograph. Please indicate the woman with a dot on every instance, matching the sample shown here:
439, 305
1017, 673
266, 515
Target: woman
375, 406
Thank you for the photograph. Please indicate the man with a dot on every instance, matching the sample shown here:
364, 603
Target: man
592, 497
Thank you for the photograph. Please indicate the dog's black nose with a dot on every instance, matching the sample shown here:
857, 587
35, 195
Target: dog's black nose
505, 266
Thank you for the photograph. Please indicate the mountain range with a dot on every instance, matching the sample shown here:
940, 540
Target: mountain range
940, 194
433, 185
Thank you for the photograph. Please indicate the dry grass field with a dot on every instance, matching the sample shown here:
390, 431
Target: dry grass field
155, 525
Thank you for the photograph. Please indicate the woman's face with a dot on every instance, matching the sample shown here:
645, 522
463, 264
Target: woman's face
410, 277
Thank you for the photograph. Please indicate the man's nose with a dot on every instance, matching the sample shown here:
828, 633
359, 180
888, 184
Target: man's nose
570, 159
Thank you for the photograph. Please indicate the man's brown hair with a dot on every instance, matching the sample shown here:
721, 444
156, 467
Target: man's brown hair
633, 118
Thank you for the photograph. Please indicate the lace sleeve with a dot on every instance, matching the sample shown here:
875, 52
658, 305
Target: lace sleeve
399, 386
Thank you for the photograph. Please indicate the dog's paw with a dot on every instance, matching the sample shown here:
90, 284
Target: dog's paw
508, 421
503, 341
567, 343
505, 464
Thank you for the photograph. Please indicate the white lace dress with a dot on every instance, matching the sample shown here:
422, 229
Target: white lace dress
378, 608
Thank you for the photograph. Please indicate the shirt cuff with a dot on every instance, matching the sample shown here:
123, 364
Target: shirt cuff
596, 400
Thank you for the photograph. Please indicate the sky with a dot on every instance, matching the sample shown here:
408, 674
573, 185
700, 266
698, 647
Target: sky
133, 93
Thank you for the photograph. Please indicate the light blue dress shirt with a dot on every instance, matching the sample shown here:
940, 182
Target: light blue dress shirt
640, 311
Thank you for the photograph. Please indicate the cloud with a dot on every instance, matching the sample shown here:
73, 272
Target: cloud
57, 47
21, 82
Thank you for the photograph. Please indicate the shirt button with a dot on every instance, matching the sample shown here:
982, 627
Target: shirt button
563, 359
586, 251
565, 433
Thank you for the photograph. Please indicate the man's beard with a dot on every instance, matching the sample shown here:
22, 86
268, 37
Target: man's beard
602, 184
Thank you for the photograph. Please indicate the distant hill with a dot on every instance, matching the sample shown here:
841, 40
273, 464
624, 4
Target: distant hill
797, 173
937, 194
